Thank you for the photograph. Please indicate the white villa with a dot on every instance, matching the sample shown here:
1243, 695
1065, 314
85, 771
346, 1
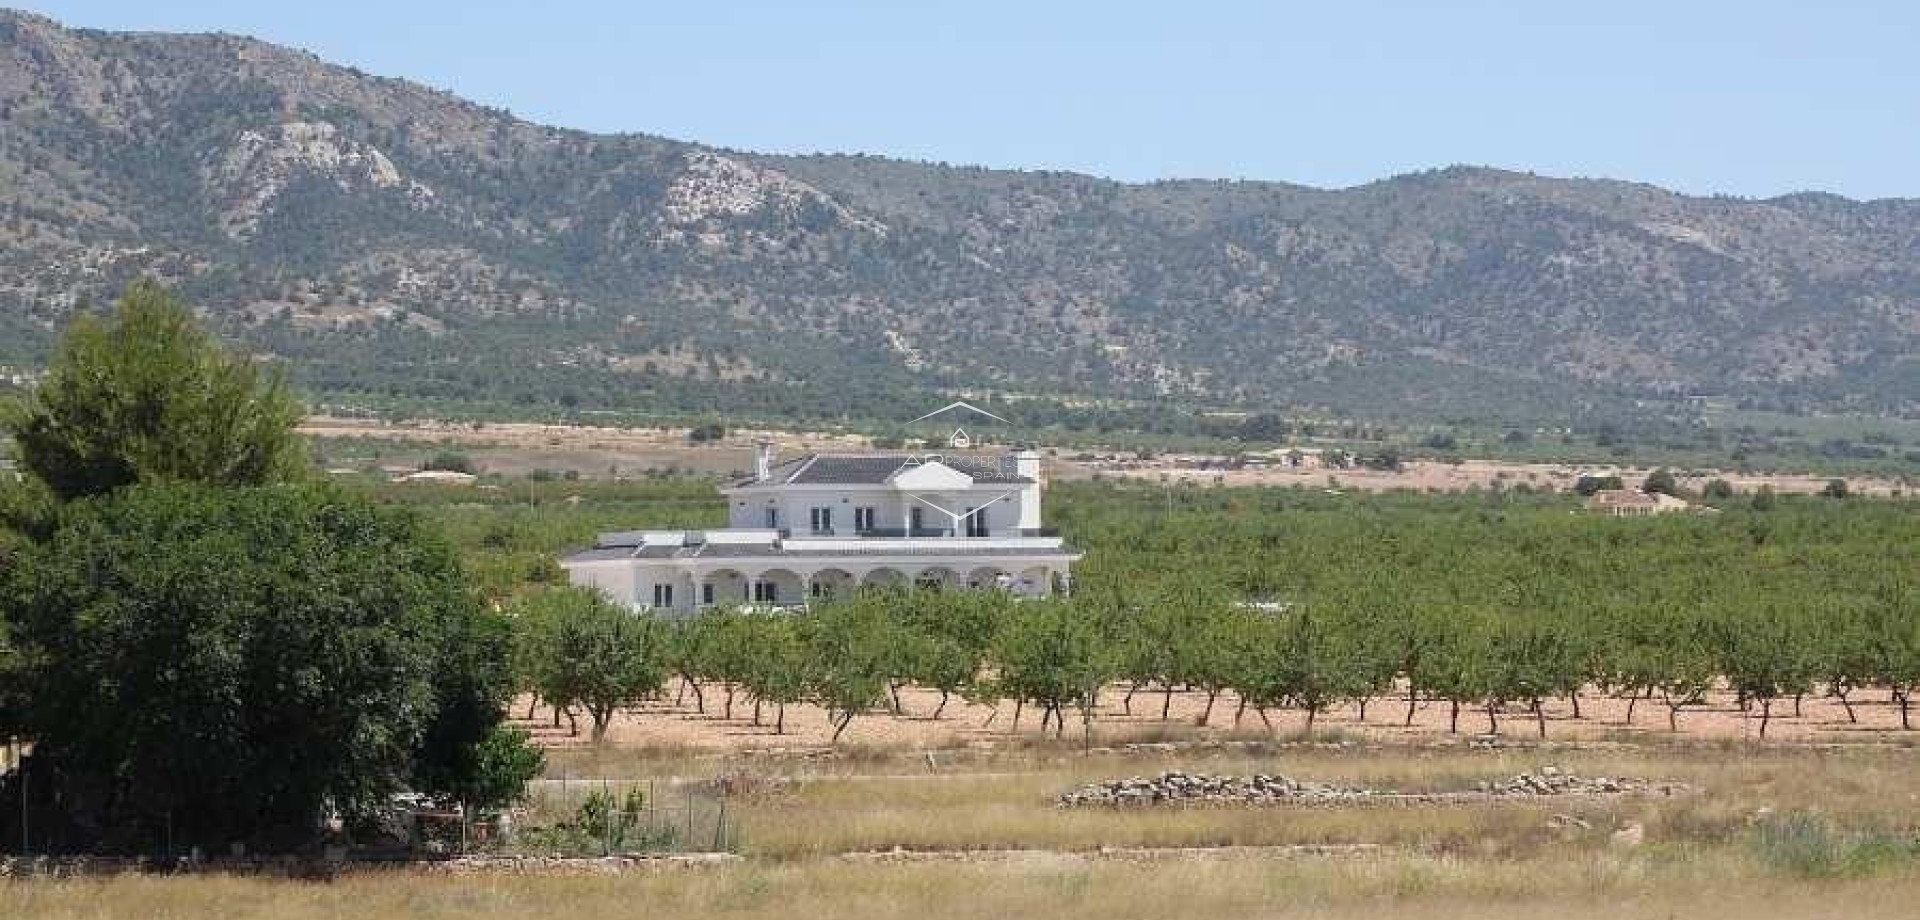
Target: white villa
822, 524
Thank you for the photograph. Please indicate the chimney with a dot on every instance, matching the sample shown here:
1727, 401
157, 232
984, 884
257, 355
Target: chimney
763, 460
1026, 462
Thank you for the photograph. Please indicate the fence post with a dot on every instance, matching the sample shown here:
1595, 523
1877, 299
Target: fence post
687, 843
720, 823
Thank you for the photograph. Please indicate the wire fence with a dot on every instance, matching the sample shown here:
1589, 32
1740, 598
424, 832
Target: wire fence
601, 816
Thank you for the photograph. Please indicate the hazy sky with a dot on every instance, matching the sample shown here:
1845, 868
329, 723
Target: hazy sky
1752, 98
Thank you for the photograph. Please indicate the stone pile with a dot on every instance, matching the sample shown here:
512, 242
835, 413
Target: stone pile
1553, 781
1176, 788
568, 865
1199, 788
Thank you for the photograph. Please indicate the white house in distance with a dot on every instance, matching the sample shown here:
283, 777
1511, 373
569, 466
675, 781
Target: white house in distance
823, 524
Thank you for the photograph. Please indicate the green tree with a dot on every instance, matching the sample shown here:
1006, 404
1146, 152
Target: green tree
583, 650
1587, 485
451, 461
148, 396
777, 669
1054, 654
1455, 662
1661, 481
853, 656
1531, 659
1681, 663
945, 637
1765, 650
1319, 664
1844, 655
210, 665
1893, 628
1178, 640
503, 765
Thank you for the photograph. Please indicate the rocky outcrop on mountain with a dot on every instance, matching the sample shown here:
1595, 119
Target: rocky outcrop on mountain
260, 164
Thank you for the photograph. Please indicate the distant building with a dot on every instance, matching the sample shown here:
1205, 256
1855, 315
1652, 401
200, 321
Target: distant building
823, 524
442, 477
1634, 503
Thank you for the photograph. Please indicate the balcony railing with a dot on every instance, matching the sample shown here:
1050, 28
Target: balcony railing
904, 533
899, 533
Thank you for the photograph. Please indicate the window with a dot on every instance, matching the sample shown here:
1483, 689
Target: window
663, 595
976, 522
706, 594
766, 592
822, 520
773, 519
914, 523
862, 519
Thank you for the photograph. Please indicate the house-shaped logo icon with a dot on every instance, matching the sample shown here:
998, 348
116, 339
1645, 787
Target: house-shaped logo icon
959, 440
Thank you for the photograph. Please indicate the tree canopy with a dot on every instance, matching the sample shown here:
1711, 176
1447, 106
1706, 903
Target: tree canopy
147, 395
224, 664
202, 645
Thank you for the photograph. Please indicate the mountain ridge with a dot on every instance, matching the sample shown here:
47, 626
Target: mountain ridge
391, 237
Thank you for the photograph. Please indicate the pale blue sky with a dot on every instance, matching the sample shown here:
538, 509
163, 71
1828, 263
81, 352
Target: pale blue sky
1752, 98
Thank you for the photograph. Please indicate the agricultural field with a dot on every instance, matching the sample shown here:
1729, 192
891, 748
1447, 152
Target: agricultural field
1789, 617
1521, 613
870, 762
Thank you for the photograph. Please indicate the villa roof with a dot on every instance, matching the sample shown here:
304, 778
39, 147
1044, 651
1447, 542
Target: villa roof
874, 470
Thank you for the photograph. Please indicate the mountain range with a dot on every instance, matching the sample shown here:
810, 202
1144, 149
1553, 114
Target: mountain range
395, 240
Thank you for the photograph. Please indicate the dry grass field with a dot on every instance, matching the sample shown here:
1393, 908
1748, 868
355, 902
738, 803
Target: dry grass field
1412, 888
1786, 831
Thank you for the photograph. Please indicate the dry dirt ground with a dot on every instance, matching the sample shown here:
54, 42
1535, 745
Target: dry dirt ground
1436, 476
675, 722
511, 448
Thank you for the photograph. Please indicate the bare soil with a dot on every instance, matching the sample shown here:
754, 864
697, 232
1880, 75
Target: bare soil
1439, 476
516, 448
671, 724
